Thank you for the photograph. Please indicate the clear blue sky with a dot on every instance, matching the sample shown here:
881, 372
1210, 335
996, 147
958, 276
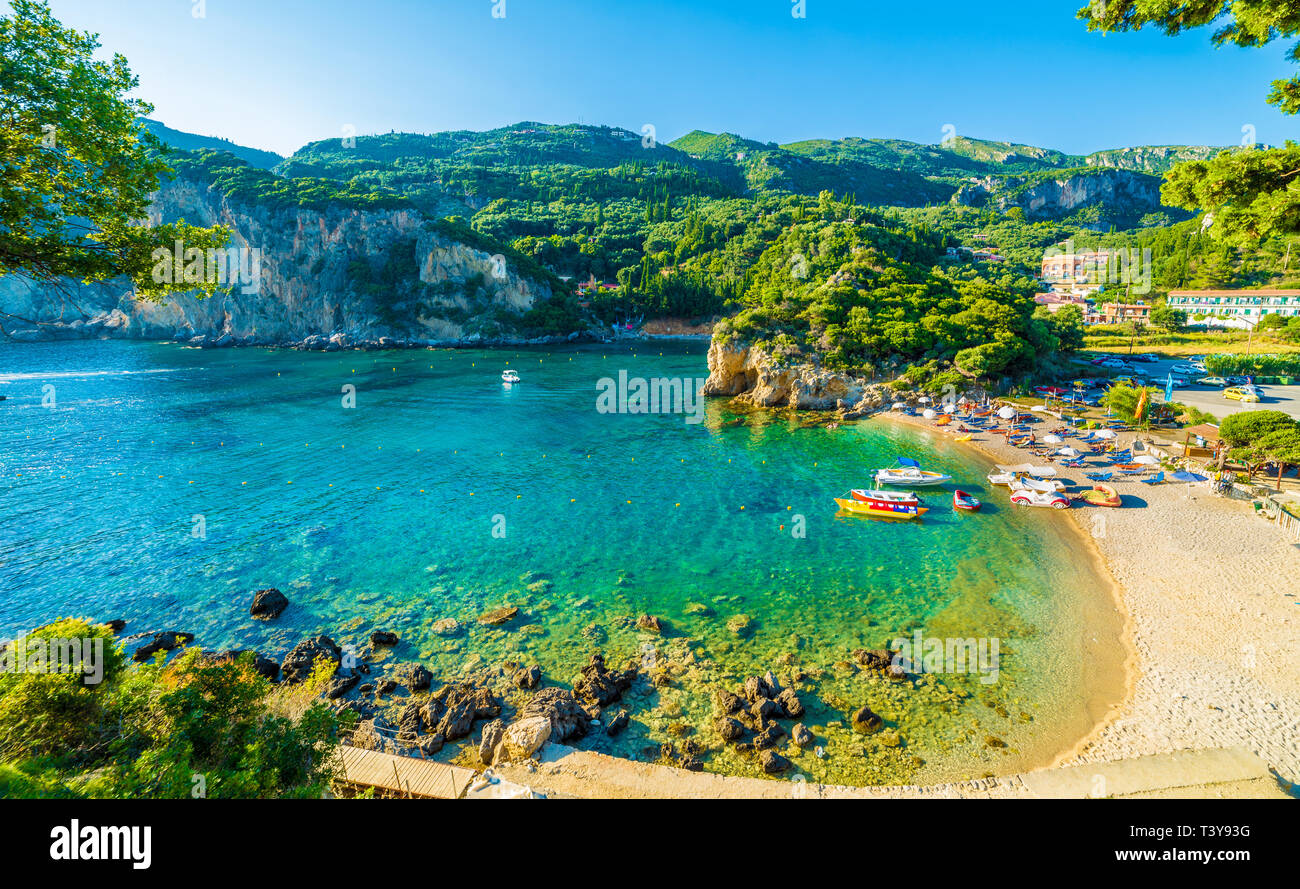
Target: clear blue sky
274, 74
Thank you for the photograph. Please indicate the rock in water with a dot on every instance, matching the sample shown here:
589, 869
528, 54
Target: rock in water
268, 604
650, 624
617, 723
166, 641
524, 738
417, 677
487, 746
299, 663
341, 685
802, 736
730, 729
383, 637
527, 677
447, 626
773, 763
866, 722
498, 616
600, 685
790, 703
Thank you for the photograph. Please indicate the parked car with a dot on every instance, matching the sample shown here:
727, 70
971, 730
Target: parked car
1050, 390
1188, 369
1239, 381
1220, 382
1242, 393
1147, 358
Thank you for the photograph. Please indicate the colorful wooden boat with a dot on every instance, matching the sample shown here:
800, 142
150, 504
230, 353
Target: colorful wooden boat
962, 500
883, 504
1101, 495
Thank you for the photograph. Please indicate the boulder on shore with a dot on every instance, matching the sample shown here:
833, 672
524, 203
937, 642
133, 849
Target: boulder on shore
569, 719
302, 659
524, 738
600, 685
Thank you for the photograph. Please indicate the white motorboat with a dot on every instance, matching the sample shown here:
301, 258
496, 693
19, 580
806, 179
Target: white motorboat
911, 476
509, 376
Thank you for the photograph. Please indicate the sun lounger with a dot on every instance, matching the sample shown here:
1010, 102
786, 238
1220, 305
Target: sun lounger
1098, 476
1154, 480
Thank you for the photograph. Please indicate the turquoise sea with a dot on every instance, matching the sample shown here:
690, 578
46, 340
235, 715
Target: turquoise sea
164, 484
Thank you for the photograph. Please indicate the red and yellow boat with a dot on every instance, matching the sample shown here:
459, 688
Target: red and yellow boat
883, 504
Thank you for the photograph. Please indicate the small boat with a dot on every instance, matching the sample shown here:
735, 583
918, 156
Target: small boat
1101, 495
883, 504
962, 500
509, 376
911, 476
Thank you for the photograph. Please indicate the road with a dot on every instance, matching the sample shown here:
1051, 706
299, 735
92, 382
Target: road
1208, 398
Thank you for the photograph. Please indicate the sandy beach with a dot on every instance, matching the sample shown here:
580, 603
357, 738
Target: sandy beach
1212, 624
1209, 626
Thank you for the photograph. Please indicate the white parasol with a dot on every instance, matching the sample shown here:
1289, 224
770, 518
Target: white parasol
1105, 433
928, 414
1068, 452
1147, 460
1007, 413
1052, 438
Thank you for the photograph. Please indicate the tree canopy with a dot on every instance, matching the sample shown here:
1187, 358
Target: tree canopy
78, 168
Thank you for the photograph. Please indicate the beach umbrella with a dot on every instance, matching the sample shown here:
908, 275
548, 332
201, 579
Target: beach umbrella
1147, 460
949, 408
1068, 452
898, 406
1051, 438
1007, 413
1184, 476
928, 414
1106, 433
924, 399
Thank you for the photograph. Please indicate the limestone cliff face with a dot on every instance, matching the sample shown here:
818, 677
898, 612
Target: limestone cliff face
324, 278
760, 379
1061, 196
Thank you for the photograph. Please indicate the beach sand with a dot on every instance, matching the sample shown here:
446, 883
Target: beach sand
1213, 622
1209, 624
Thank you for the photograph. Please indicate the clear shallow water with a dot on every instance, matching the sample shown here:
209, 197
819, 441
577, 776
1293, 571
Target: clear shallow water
383, 516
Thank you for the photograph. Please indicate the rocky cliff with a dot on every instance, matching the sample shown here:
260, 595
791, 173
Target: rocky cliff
758, 378
326, 278
1041, 198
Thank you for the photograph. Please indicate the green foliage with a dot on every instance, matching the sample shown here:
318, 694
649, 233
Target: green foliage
1262, 436
1253, 365
78, 167
152, 730
1168, 318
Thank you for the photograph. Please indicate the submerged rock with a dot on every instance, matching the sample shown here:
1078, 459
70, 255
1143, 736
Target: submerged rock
383, 637
866, 722
498, 616
650, 624
730, 729
617, 723
447, 626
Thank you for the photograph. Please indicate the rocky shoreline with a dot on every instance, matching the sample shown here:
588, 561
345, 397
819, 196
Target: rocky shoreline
506, 712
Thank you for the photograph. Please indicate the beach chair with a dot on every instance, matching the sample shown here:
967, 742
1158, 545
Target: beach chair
1098, 476
1155, 479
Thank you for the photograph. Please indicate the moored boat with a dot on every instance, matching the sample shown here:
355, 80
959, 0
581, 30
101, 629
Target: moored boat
962, 500
883, 504
509, 376
910, 475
